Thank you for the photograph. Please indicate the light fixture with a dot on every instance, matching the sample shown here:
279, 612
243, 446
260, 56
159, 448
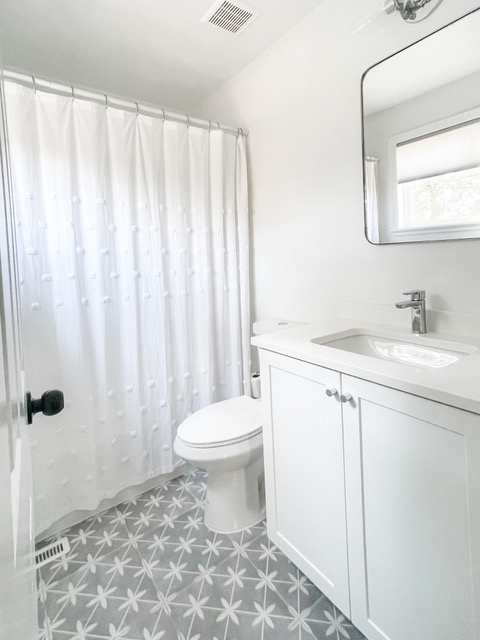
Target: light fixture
412, 10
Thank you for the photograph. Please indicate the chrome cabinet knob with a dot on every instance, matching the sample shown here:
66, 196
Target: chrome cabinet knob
331, 392
346, 397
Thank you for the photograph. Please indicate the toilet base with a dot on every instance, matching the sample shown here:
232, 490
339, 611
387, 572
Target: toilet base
235, 499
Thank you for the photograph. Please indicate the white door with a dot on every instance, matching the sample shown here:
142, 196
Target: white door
413, 505
18, 616
304, 470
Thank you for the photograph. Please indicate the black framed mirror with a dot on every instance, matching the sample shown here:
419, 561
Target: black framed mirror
421, 139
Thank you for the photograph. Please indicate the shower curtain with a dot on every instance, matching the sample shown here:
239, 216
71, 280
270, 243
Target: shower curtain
133, 250
371, 200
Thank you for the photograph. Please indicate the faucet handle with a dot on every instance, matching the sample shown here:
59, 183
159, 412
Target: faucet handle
416, 294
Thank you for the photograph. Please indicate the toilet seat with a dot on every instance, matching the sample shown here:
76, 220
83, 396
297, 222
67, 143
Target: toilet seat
222, 423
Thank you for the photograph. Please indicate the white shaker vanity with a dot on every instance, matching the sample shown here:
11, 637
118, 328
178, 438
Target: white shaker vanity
372, 471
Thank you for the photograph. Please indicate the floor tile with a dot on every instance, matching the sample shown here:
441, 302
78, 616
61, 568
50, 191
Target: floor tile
149, 569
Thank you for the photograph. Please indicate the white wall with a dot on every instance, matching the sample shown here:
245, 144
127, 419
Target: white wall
300, 101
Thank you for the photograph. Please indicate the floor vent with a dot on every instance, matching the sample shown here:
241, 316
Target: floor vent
233, 17
51, 552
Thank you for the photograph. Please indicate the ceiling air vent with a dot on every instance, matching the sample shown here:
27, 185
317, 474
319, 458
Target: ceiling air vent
233, 17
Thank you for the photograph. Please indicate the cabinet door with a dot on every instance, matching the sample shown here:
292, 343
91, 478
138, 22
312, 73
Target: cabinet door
413, 509
304, 470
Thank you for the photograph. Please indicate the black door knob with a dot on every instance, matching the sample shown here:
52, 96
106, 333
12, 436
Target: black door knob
49, 404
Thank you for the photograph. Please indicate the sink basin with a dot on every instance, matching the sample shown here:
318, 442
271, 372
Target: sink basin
419, 351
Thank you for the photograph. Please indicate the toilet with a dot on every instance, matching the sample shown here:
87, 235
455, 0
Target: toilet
226, 439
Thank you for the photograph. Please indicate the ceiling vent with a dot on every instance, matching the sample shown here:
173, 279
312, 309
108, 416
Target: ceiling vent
233, 17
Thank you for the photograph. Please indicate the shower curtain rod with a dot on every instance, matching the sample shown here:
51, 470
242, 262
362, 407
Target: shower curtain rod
39, 84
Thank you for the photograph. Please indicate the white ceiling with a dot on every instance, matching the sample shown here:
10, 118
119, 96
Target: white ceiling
156, 51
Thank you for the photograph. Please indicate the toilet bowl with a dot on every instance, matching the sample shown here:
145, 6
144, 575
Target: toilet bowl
225, 438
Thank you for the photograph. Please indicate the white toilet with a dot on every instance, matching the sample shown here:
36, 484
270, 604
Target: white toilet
226, 439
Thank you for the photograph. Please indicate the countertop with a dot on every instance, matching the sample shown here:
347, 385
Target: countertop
457, 384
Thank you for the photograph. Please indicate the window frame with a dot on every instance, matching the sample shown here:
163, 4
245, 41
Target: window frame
430, 232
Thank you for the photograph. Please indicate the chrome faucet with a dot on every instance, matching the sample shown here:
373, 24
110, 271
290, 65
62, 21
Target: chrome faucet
417, 305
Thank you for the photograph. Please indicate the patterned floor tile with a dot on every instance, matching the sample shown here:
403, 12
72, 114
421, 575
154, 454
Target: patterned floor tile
199, 623
150, 569
144, 624
297, 590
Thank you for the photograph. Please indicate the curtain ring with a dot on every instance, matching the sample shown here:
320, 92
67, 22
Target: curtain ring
73, 94
106, 100
209, 126
218, 125
163, 115
188, 121
34, 84
136, 104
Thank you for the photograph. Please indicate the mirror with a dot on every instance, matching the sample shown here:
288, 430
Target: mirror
421, 139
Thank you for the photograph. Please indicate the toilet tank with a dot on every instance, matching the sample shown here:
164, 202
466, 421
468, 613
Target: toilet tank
272, 324
259, 327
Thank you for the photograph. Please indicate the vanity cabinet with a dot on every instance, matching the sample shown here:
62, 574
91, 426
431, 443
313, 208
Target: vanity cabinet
376, 499
304, 471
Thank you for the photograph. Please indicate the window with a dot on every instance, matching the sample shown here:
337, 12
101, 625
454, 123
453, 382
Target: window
450, 198
438, 179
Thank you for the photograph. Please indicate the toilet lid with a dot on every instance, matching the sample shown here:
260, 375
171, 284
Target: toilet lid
224, 422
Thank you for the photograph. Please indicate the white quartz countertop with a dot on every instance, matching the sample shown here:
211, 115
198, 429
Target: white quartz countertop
457, 384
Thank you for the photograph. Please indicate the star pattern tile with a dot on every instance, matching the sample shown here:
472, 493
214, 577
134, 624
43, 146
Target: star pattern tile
149, 569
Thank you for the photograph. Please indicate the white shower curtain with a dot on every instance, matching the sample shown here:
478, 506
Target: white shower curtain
371, 200
133, 245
